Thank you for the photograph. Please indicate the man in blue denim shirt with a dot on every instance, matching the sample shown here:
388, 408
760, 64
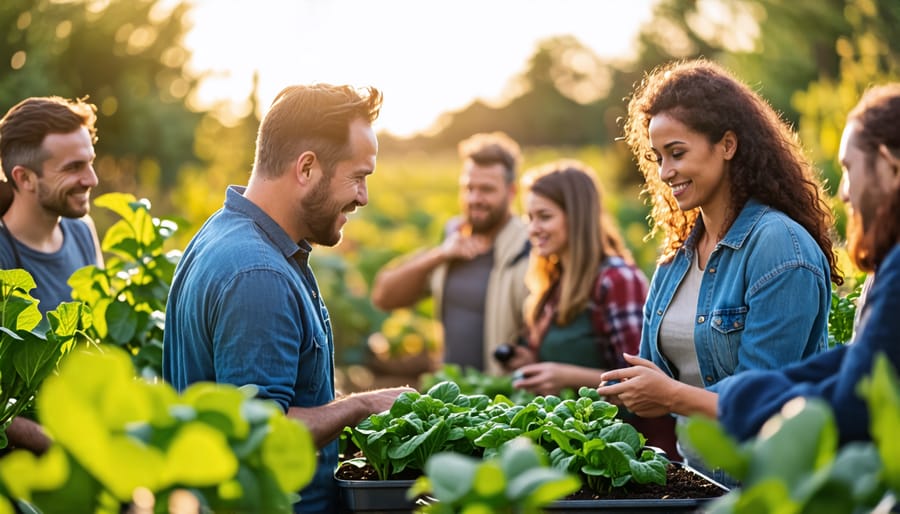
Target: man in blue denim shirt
244, 307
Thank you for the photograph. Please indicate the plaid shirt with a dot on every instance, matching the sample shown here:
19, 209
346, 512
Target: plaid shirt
617, 305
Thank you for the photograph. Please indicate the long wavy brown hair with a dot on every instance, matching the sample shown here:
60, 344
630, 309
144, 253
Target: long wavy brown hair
592, 237
877, 118
769, 163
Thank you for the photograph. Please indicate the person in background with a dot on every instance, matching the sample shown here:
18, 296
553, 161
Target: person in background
870, 186
244, 307
586, 295
476, 275
745, 233
47, 155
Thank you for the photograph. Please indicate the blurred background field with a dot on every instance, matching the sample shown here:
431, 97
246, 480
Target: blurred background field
158, 140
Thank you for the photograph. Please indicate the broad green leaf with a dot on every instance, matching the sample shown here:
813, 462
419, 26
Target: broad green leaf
489, 479
650, 471
20, 312
30, 357
715, 446
445, 391
769, 495
21, 472
451, 475
121, 322
119, 203
554, 486
15, 279
131, 465
289, 453
89, 284
525, 484
519, 455
68, 318
800, 440
882, 394
220, 405
199, 456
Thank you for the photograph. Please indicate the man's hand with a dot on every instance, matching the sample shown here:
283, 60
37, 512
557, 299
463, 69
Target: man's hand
458, 246
381, 400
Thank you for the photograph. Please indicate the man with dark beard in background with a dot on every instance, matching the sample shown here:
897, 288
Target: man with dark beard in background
477, 274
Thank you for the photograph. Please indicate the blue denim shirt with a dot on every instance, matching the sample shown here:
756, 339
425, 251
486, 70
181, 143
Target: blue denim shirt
244, 308
764, 297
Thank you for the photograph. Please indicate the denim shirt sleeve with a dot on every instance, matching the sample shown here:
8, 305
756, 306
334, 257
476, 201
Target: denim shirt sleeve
257, 336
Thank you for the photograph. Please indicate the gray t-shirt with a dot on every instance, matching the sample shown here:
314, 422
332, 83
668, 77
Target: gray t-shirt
463, 311
676, 332
51, 271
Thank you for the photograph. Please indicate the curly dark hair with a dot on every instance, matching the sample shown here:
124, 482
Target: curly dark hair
769, 163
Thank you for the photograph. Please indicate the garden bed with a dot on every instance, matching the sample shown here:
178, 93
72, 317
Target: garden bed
685, 491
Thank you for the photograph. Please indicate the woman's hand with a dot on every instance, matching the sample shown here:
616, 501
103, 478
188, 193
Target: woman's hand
522, 356
541, 378
643, 388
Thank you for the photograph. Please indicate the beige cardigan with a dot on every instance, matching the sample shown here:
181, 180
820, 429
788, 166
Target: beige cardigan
506, 291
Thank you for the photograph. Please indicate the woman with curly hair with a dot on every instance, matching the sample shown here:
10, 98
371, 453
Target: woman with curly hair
742, 281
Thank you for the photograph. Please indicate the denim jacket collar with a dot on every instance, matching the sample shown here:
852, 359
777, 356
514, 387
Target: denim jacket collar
740, 230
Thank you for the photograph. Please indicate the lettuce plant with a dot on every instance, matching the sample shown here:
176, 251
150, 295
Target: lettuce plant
516, 480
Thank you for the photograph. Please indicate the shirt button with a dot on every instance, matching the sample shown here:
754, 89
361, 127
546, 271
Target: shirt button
314, 294
737, 324
708, 379
701, 319
717, 321
712, 270
659, 312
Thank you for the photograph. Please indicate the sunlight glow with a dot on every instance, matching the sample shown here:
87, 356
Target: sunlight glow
427, 57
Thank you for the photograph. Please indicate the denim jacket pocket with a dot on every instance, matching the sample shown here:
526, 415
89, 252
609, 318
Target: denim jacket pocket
727, 329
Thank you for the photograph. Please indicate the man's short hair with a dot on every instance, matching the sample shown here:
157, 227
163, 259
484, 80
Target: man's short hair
489, 148
311, 118
26, 124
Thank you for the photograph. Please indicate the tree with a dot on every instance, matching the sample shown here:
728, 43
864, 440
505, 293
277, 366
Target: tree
128, 57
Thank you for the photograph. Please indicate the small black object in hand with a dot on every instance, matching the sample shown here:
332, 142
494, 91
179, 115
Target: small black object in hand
504, 352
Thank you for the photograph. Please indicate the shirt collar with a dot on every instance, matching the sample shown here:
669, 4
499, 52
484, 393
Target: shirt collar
736, 236
236, 201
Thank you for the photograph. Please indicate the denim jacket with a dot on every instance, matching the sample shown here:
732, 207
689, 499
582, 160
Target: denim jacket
763, 303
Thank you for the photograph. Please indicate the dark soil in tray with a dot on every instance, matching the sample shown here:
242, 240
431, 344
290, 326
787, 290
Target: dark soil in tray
680, 484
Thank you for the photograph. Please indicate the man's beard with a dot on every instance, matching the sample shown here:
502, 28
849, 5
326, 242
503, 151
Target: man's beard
60, 206
492, 219
860, 237
321, 215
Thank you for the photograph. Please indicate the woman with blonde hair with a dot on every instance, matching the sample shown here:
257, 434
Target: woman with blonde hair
584, 308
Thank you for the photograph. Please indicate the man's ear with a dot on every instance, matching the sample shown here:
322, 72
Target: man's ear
22, 177
304, 167
729, 144
889, 156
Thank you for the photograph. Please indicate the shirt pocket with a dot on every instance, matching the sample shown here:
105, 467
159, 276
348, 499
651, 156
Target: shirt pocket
727, 329
312, 371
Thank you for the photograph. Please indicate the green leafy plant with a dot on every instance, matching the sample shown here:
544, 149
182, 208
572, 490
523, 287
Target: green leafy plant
128, 295
28, 356
581, 435
795, 464
115, 434
517, 480
842, 315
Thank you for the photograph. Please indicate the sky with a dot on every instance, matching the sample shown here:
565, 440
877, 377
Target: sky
426, 56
